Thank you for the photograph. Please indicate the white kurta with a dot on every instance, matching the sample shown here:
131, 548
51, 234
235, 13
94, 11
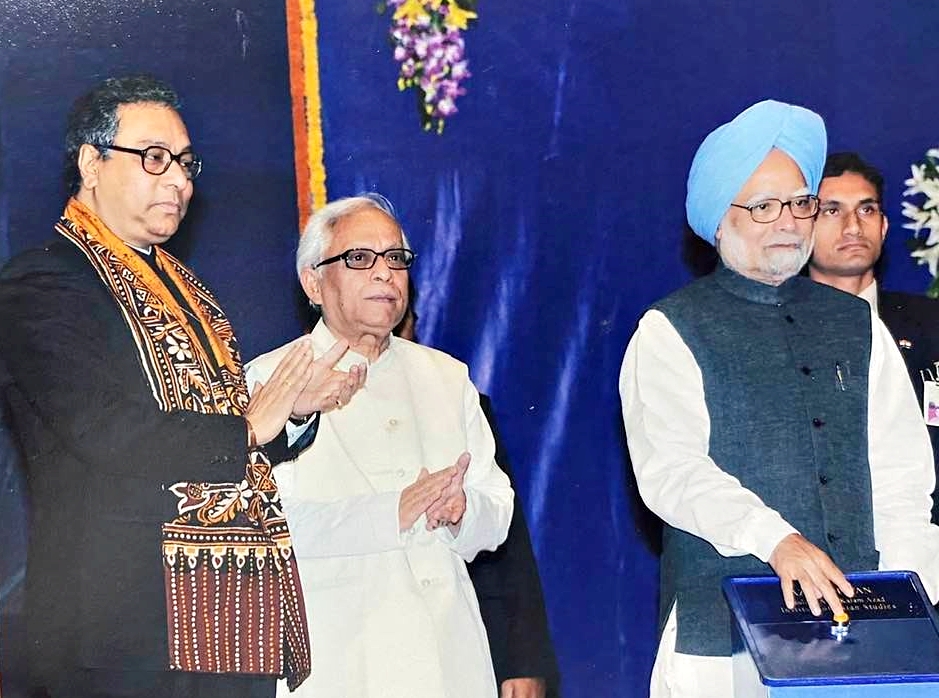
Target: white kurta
392, 614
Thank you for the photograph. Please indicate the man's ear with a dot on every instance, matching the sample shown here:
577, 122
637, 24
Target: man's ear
89, 159
717, 235
310, 281
886, 224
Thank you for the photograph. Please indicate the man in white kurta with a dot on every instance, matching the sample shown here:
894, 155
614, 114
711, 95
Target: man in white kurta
393, 614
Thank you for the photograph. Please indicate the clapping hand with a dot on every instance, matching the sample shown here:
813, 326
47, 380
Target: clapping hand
438, 495
451, 505
271, 403
422, 493
327, 388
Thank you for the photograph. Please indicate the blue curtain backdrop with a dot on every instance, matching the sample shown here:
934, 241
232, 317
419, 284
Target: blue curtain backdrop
547, 216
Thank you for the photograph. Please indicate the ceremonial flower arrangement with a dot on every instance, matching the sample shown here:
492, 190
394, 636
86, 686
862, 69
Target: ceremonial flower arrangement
428, 43
924, 218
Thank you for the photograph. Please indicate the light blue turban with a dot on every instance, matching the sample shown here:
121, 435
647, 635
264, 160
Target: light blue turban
732, 152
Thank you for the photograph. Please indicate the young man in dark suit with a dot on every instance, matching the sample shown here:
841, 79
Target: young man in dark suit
849, 235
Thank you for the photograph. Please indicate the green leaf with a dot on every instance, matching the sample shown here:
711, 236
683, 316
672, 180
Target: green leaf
933, 290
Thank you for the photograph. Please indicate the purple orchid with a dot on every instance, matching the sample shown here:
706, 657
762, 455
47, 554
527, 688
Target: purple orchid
428, 44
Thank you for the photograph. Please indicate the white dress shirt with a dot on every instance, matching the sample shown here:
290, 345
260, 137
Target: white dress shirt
870, 295
392, 614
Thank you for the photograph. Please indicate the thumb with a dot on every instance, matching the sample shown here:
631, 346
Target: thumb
462, 463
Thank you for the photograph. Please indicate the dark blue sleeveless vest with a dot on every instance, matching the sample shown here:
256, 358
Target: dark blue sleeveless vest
785, 373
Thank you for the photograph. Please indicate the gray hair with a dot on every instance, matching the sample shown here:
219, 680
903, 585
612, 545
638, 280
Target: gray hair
319, 230
93, 117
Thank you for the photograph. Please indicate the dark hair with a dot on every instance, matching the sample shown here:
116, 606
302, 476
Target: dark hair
93, 117
838, 163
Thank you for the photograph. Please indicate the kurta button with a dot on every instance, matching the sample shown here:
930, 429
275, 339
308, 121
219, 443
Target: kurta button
425, 583
392, 422
806, 370
790, 319
400, 472
823, 479
818, 423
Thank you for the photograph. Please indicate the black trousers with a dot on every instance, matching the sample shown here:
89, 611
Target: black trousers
107, 683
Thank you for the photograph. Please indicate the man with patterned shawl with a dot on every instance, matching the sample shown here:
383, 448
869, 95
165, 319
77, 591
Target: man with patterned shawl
125, 380
770, 423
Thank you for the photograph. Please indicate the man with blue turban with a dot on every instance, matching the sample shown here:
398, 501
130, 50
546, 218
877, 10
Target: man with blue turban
770, 421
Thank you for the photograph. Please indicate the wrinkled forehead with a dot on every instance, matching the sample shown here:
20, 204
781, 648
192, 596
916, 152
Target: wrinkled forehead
367, 227
151, 122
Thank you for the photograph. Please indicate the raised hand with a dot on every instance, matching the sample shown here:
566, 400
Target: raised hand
272, 403
329, 389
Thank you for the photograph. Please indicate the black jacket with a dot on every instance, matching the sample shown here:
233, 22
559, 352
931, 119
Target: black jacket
510, 597
914, 323
99, 457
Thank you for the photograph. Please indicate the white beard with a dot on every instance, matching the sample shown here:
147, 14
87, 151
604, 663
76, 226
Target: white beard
771, 266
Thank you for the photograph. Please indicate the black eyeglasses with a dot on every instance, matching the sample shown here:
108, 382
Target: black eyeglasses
769, 210
156, 159
364, 258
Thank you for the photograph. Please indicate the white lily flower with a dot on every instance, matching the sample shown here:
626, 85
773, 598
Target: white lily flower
927, 255
923, 219
930, 188
916, 215
932, 225
914, 182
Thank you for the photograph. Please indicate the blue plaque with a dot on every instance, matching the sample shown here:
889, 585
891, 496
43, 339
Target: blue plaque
889, 646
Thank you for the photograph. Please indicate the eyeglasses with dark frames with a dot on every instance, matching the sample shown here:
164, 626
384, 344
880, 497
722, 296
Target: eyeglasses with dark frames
364, 258
769, 210
156, 159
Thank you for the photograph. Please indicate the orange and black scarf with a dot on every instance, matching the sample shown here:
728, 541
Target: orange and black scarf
233, 591
182, 375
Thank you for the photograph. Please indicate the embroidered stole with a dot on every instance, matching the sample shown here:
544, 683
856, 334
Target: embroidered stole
233, 590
